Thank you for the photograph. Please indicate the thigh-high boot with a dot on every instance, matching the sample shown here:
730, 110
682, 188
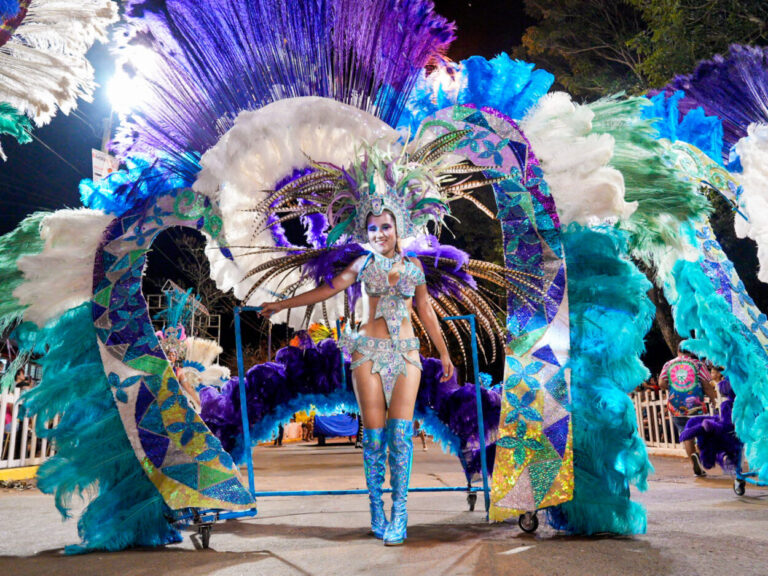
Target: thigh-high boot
375, 465
400, 441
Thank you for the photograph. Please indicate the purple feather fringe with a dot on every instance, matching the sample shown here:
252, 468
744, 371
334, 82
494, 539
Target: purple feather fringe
716, 435
312, 375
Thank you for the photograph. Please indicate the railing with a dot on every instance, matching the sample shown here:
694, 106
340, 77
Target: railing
654, 423
19, 445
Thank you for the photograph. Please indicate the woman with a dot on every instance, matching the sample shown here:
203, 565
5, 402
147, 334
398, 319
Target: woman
385, 366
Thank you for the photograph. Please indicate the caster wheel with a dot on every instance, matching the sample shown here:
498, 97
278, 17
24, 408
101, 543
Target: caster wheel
471, 500
739, 487
528, 522
205, 535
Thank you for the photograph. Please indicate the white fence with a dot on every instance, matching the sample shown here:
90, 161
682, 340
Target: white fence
19, 445
654, 422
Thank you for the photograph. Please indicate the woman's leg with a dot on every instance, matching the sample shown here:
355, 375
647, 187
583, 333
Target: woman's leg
400, 441
370, 398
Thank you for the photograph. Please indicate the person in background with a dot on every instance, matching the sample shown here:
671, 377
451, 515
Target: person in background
687, 379
419, 431
22, 380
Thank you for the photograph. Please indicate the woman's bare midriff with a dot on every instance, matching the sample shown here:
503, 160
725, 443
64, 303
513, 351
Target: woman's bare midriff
377, 327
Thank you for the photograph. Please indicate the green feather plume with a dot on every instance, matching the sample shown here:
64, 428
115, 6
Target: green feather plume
25, 239
15, 124
664, 200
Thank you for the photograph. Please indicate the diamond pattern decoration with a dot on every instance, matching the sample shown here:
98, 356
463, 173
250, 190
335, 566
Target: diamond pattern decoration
171, 437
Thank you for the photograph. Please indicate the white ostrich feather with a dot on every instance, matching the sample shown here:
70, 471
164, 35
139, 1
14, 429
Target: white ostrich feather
753, 202
61, 276
575, 162
262, 148
43, 65
202, 350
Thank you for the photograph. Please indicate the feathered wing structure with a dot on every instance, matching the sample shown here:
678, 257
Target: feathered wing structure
735, 88
610, 315
42, 62
212, 60
46, 276
722, 338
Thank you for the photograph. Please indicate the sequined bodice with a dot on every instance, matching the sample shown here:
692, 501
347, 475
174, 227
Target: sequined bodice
391, 305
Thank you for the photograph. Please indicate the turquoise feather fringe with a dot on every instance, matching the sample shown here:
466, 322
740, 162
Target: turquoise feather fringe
609, 315
723, 339
510, 86
93, 455
266, 428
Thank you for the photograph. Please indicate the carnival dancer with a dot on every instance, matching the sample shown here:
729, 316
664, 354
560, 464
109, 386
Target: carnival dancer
687, 379
385, 350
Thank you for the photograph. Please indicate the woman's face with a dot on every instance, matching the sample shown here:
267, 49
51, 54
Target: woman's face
382, 233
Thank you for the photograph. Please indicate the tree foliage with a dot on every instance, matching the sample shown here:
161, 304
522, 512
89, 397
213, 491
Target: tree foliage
587, 45
680, 33
598, 47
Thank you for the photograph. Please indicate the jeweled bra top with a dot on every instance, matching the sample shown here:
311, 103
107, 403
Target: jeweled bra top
391, 305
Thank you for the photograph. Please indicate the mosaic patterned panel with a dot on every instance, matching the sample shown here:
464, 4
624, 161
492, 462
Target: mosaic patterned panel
534, 457
177, 451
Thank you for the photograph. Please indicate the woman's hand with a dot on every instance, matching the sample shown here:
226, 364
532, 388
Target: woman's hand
270, 308
447, 368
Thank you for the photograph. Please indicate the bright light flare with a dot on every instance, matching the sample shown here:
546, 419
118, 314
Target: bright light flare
127, 91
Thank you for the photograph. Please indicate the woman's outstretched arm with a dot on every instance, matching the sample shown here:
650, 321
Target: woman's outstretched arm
322, 292
429, 319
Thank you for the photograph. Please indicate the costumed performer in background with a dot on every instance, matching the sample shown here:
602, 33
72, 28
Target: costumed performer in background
385, 350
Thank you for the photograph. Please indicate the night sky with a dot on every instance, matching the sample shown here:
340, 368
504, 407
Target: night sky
44, 174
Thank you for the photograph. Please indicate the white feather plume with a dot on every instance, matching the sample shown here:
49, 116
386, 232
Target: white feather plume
262, 148
43, 66
202, 350
575, 161
61, 276
753, 202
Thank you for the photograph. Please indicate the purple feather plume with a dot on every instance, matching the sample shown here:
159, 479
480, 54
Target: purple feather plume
716, 435
733, 87
451, 277
214, 59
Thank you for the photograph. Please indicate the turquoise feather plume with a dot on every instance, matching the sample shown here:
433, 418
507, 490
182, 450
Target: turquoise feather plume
124, 508
609, 315
510, 86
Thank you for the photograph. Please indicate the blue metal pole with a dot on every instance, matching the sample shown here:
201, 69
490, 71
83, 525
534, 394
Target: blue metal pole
343, 361
479, 401
243, 406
